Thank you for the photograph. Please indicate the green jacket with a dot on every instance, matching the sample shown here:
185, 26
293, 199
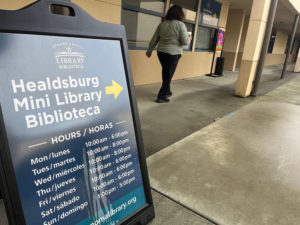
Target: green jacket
171, 36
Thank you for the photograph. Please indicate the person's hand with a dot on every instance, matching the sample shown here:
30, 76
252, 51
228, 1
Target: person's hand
190, 35
148, 54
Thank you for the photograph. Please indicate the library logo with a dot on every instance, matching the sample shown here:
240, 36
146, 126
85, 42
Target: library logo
69, 56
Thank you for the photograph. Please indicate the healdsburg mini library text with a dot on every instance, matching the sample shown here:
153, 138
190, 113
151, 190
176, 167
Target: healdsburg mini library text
37, 97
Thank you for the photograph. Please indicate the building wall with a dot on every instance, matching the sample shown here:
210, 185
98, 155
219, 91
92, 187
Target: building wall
274, 59
244, 33
224, 13
104, 10
192, 64
108, 11
297, 66
242, 42
144, 70
243, 39
280, 42
148, 70
277, 56
14, 4
236, 18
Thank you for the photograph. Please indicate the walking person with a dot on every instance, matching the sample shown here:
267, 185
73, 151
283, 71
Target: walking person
171, 36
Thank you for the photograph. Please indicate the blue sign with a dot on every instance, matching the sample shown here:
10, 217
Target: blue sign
210, 12
70, 129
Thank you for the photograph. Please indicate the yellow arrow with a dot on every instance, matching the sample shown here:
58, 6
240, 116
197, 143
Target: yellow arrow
114, 89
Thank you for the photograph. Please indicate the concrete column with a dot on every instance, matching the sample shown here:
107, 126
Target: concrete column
297, 66
224, 14
167, 6
253, 44
234, 29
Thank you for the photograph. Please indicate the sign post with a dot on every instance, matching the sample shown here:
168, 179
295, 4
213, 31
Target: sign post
71, 147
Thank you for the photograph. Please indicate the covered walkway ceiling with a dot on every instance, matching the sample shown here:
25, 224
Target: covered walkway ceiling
285, 14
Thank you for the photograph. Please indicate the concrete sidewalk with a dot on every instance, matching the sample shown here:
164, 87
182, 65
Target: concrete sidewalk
196, 103
242, 169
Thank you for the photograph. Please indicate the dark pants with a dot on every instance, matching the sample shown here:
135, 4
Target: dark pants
168, 63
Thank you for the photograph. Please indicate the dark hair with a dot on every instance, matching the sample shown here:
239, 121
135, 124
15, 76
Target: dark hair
175, 13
